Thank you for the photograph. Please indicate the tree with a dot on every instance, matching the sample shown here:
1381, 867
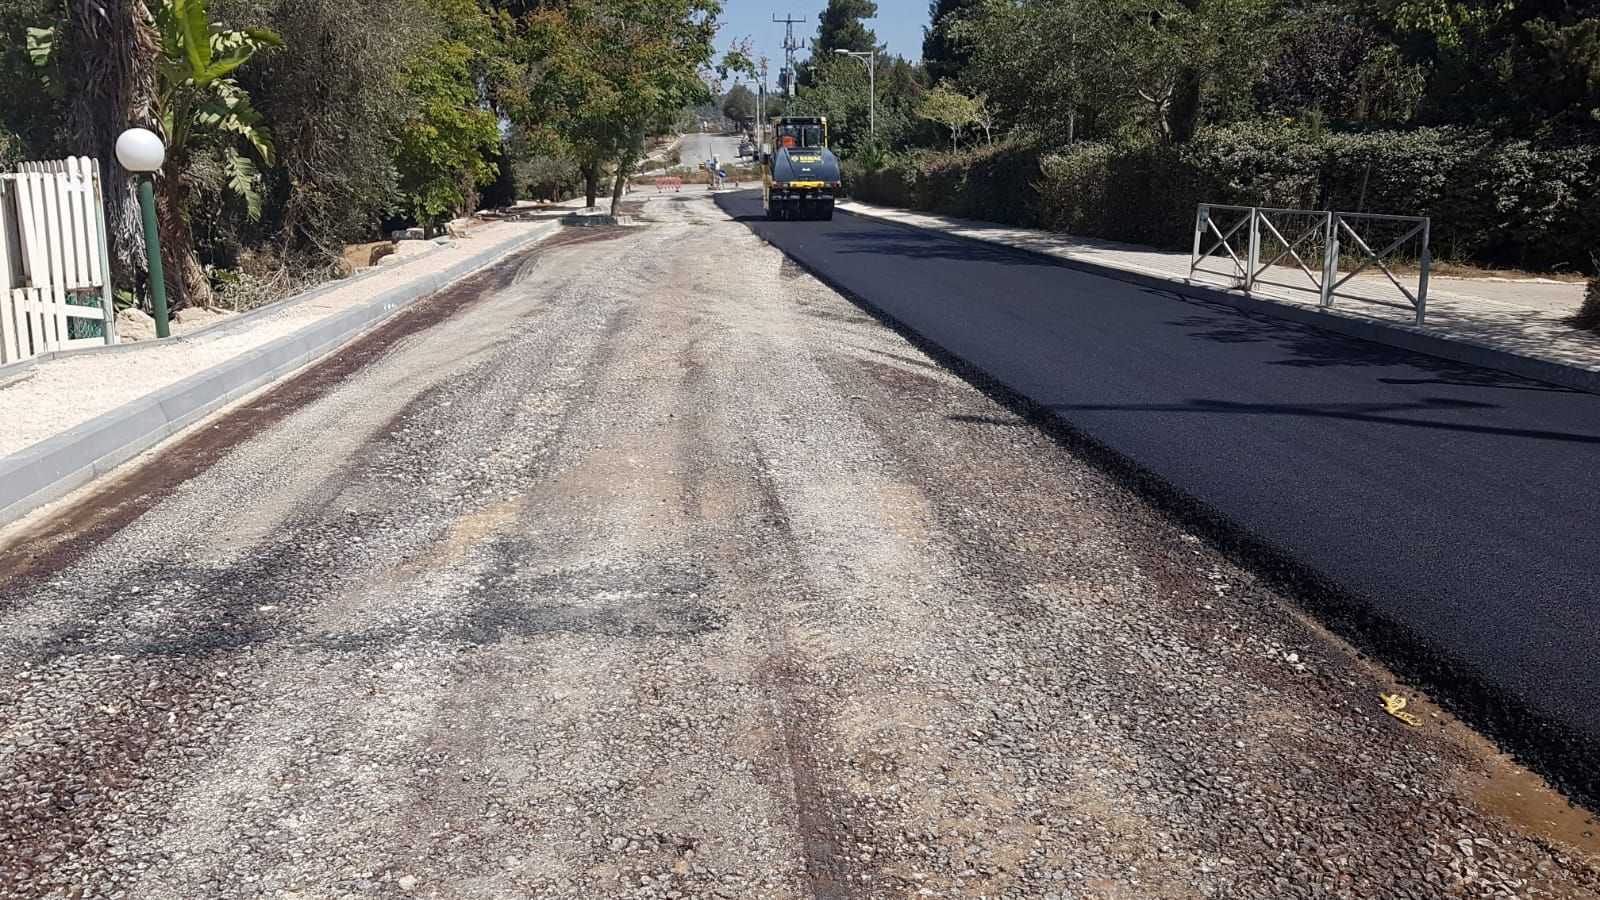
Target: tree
839, 89
205, 114
449, 137
945, 56
1529, 65
739, 104
841, 28
1050, 65
950, 108
612, 72
73, 76
198, 107
335, 98
983, 117
1331, 63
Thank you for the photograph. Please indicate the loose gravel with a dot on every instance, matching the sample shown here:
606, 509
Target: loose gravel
659, 570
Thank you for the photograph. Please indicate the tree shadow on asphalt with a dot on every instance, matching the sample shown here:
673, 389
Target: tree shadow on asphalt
905, 242
1308, 346
1377, 413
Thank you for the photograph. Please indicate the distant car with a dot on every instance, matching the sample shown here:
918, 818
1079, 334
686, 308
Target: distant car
746, 149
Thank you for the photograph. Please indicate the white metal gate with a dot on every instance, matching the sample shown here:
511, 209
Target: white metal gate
55, 277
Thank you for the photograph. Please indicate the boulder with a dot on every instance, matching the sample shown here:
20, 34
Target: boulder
360, 256
134, 325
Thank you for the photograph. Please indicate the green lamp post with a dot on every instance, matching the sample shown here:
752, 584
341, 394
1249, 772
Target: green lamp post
141, 152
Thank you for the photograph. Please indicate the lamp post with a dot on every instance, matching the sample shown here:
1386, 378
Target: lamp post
870, 59
141, 152
761, 111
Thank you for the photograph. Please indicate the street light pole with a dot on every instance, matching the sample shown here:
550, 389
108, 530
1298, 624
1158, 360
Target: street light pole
141, 152
869, 58
761, 108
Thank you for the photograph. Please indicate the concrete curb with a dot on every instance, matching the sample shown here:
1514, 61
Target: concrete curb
53, 467
215, 329
1403, 337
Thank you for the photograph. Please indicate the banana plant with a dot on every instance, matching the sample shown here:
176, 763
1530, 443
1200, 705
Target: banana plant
200, 96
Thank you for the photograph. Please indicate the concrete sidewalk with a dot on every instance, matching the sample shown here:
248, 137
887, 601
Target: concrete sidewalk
1522, 317
66, 418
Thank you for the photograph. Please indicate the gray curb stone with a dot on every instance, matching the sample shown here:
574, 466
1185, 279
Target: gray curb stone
1418, 340
229, 325
50, 469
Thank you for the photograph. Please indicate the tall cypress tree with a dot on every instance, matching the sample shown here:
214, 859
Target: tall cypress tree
943, 56
841, 28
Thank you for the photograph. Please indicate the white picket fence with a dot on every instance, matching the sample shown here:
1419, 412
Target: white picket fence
52, 251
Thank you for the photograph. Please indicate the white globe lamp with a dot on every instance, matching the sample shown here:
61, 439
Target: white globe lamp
139, 150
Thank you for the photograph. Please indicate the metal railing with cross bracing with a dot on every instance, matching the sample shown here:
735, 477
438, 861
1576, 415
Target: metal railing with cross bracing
1309, 250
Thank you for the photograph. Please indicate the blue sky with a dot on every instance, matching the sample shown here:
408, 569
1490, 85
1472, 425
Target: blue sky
899, 24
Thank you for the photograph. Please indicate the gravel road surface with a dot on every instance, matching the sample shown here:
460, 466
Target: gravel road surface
644, 565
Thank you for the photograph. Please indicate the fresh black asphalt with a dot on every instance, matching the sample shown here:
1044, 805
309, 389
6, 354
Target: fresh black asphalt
1458, 506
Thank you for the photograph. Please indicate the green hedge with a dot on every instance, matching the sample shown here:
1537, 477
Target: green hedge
996, 184
1493, 200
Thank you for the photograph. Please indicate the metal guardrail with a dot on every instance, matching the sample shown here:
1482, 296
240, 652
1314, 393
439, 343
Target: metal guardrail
1294, 236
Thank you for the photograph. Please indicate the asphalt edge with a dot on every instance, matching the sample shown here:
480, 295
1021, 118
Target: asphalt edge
1378, 332
1567, 758
52, 468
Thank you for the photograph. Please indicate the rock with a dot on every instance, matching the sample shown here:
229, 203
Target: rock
407, 234
407, 883
360, 256
134, 325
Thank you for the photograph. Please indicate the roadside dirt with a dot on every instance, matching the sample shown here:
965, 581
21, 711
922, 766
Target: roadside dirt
646, 566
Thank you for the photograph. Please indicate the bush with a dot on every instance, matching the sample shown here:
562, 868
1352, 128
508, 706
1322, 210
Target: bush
1589, 314
1494, 201
994, 183
547, 177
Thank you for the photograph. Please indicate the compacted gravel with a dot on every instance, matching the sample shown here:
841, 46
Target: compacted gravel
646, 566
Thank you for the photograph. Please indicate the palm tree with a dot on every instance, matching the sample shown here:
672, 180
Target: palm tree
170, 72
108, 52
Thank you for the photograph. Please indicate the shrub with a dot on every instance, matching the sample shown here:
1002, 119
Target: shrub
1589, 314
994, 183
1493, 200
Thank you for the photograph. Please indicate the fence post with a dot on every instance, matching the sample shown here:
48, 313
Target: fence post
1330, 260
1253, 256
9, 320
1199, 228
108, 299
1428, 263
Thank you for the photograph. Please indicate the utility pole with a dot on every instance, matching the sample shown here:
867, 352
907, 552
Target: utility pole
761, 111
790, 45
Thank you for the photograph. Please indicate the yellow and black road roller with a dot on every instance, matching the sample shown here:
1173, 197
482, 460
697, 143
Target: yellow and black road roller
801, 175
